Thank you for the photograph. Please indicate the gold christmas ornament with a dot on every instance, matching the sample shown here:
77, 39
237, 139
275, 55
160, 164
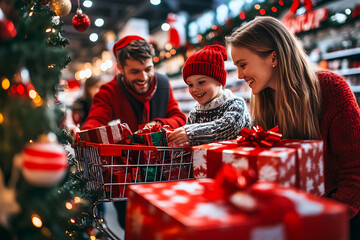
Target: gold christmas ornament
61, 7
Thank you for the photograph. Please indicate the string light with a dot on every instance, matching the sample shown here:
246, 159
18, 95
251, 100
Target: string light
242, 15
1, 118
156, 59
5, 83
173, 51
36, 220
48, 30
51, 66
30, 14
168, 46
37, 100
46, 232
32, 94
87, 4
274, 9
77, 199
69, 205
257, 6
162, 54
72, 220
20, 89
262, 11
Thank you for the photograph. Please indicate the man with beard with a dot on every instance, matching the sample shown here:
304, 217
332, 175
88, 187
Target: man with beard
138, 95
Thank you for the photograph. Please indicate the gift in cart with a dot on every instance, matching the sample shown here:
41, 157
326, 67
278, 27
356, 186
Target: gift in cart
110, 167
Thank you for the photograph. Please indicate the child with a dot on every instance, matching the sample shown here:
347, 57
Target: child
219, 114
306, 104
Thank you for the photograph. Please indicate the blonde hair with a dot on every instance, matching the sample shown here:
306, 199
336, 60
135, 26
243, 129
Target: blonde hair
295, 103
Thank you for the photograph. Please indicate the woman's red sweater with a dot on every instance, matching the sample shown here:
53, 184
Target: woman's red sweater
340, 130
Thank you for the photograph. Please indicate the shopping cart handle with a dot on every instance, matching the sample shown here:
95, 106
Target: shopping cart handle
115, 149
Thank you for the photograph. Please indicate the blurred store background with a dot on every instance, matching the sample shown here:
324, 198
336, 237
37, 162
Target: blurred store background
328, 29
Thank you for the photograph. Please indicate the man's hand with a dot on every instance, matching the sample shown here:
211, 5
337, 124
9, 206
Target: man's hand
179, 136
73, 131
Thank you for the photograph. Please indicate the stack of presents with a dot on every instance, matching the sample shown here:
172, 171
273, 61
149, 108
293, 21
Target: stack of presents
255, 187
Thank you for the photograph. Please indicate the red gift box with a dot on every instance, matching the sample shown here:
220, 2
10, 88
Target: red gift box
292, 163
116, 174
180, 210
178, 167
118, 133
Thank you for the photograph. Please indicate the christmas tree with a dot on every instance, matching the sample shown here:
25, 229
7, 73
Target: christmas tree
41, 194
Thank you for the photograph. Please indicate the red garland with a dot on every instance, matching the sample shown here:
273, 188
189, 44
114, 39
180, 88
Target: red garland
257, 137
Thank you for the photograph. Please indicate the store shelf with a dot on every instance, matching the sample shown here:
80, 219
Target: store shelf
342, 53
347, 72
355, 89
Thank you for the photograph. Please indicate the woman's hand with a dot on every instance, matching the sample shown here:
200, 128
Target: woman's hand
179, 136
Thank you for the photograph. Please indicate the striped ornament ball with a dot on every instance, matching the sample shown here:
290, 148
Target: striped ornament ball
44, 164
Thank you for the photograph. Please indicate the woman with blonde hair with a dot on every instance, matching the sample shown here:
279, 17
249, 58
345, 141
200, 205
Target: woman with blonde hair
305, 103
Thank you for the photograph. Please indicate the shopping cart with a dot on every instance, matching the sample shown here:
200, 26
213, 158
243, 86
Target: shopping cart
110, 168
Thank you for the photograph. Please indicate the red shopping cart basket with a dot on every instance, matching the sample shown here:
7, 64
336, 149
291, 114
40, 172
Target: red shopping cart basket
109, 168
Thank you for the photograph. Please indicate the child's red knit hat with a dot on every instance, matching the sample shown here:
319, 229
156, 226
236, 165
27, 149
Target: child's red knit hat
208, 61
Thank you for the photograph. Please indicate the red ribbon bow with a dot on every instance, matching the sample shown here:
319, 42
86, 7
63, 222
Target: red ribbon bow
236, 187
228, 181
257, 137
150, 128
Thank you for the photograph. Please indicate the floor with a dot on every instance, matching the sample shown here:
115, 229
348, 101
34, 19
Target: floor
111, 220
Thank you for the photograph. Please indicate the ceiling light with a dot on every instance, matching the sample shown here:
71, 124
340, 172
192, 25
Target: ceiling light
155, 2
93, 37
87, 3
99, 22
165, 27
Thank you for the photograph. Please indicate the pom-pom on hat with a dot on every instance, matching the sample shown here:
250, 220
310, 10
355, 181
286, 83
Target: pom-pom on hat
124, 42
208, 61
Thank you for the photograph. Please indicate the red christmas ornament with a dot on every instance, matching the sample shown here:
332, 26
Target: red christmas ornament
81, 21
44, 164
7, 28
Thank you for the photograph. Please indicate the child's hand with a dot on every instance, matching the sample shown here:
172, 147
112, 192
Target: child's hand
179, 136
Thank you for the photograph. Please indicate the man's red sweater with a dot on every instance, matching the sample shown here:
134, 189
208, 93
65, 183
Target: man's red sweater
111, 103
340, 130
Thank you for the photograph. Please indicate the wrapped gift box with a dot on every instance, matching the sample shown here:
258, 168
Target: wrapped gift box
150, 136
180, 210
150, 139
118, 133
292, 163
